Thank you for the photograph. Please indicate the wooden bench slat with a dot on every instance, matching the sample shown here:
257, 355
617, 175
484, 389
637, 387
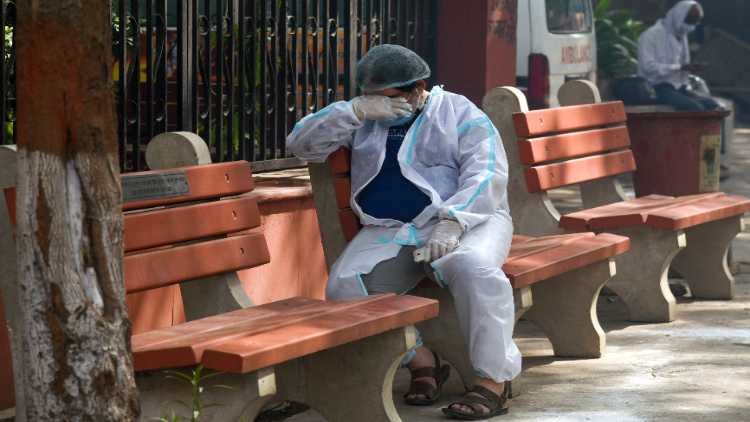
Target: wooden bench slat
343, 187
147, 270
519, 238
628, 213
563, 258
697, 212
536, 245
349, 223
567, 119
339, 161
152, 338
549, 176
242, 355
172, 225
204, 181
180, 346
572, 145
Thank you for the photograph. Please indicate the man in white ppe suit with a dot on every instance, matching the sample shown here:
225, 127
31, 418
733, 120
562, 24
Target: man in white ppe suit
664, 58
429, 177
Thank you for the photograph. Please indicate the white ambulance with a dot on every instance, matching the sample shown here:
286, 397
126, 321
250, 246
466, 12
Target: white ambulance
555, 43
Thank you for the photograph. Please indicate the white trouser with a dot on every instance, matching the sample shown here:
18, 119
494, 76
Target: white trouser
482, 293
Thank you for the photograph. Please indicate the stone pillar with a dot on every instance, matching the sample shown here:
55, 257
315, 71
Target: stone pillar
177, 149
476, 46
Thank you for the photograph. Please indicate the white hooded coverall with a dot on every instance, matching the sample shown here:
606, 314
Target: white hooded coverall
663, 49
453, 153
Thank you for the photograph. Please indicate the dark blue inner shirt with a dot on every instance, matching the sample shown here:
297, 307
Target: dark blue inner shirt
390, 194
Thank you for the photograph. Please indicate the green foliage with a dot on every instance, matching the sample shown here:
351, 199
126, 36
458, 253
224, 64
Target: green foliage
115, 24
617, 35
196, 379
10, 74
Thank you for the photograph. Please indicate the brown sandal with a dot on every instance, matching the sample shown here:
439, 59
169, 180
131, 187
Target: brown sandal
421, 387
479, 396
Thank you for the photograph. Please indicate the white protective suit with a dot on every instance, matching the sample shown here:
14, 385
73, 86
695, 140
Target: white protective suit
663, 49
454, 154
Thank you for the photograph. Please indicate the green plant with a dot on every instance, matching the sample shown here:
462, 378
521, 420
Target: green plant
9, 63
617, 33
196, 379
115, 24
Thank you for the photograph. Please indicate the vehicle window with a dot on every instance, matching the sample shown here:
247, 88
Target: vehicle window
569, 16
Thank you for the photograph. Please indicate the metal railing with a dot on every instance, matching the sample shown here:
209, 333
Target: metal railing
239, 73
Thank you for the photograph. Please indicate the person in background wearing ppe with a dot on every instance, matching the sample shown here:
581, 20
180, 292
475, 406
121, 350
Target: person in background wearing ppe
429, 184
664, 58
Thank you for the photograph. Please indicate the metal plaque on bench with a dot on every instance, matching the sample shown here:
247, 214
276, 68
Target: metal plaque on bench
152, 186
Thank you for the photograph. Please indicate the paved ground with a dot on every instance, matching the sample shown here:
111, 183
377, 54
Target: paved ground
694, 369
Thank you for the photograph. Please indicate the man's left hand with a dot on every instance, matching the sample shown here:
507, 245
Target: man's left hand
443, 240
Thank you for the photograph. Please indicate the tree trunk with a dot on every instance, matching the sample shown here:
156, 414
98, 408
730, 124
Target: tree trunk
76, 334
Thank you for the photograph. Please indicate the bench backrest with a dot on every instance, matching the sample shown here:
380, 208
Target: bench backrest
570, 145
583, 143
200, 229
186, 223
340, 165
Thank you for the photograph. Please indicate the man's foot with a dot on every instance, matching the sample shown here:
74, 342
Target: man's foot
485, 400
427, 378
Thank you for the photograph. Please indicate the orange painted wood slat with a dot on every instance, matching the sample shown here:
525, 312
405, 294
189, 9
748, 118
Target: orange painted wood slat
619, 214
539, 244
339, 161
519, 238
568, 119
350, 224
323, 332
697, 212
149, 270
549, 176
572, 145
184, 344
343, 187
172, 225
627, 213
218, 326
205, 181
564, 258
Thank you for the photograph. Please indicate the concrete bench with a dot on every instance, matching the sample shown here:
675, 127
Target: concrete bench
588, 145
194, 226
571, 266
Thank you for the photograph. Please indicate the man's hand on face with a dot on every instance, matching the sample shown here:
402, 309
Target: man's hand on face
380, 107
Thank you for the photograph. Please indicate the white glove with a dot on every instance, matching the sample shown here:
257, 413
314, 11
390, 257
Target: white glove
443, 240
380, 107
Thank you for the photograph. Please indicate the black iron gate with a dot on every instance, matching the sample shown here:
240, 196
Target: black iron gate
237, 72
241, 72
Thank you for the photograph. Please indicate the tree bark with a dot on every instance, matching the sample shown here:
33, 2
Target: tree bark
76, 334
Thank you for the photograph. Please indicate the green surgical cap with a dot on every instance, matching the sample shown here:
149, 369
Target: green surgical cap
390, 66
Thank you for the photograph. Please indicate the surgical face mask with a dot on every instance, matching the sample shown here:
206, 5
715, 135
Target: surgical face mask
685, 28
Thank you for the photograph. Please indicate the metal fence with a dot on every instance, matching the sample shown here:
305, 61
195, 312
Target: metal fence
239, 73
